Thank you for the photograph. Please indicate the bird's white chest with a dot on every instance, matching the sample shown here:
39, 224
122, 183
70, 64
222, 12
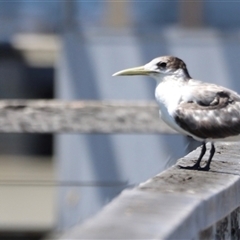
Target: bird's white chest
168, 96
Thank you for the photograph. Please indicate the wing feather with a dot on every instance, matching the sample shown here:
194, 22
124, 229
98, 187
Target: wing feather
209, 112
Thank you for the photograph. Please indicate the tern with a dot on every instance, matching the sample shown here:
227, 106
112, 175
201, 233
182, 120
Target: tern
203, 111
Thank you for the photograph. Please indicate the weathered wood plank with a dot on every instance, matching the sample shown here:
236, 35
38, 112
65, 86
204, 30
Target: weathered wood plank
52, 116
176, 204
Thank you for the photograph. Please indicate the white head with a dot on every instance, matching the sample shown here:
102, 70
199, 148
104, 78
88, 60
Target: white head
160, 68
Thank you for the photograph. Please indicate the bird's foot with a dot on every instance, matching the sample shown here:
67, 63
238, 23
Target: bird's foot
206, 168
194, 167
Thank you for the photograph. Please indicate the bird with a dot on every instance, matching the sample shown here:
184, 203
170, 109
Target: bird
207, 112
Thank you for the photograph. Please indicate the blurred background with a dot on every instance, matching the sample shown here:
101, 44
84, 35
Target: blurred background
68, 50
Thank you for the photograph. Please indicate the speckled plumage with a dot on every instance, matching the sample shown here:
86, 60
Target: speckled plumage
210, 118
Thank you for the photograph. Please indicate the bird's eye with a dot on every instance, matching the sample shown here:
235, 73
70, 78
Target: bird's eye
161, 64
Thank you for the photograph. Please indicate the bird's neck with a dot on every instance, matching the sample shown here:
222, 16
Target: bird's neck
178, 80
168, 90
179, 76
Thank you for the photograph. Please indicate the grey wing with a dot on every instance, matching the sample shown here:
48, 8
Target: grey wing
210, 112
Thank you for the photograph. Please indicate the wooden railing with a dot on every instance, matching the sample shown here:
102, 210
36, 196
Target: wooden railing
48, 116
176, 204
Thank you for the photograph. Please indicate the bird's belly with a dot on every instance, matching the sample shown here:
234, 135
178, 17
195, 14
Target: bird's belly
168, 118
168, 104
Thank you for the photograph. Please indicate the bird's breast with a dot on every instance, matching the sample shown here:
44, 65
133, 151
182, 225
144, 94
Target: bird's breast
168, 97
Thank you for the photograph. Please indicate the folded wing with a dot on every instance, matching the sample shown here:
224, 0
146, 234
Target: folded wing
209, 111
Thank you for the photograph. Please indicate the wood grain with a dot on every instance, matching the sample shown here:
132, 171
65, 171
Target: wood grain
176, 204
53, 116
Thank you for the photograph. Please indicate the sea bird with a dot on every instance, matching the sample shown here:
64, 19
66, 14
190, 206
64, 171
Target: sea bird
203, 111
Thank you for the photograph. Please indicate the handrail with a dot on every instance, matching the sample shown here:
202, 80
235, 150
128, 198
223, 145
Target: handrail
176, 204
54, 116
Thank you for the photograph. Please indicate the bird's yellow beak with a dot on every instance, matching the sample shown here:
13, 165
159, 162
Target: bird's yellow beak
133, 71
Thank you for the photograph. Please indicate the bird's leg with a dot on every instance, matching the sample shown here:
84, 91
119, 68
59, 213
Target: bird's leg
196, 166
207, 167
